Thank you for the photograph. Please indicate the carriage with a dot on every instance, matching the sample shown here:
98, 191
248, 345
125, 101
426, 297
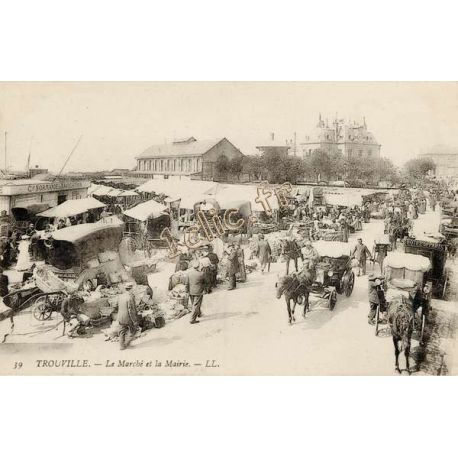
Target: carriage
334, 274
43, 304
449, 229
144, 225
406, 277
44, 294
434, 247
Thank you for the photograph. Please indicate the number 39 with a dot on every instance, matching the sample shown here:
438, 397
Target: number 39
17, 364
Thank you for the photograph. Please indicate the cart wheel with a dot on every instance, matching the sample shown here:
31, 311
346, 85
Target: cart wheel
377, 320
132, 243
350, 284
42, 309
332, 300
422, 329
300, 299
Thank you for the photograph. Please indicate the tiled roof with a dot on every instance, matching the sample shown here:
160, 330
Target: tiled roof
195, 148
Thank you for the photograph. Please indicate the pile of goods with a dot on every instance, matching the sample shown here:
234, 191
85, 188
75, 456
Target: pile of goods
264, 228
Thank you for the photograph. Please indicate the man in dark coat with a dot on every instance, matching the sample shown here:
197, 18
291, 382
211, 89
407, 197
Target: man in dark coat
214, 268
127, 317
361, 253
376, 297
233, 266
196, 289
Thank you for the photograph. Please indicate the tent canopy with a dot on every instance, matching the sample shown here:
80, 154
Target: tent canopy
93, 187
102, 190
128, 193
175, 188
72, 208
114, 192
146, 210
237, 196
408, 261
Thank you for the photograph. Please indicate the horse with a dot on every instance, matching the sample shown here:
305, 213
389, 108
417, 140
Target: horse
398, 233
290, 250
296, 288
401, 320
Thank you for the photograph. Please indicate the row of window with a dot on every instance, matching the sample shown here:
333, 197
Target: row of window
350, 152
170, 165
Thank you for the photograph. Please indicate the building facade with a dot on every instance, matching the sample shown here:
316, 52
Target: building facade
272, 146
32, 194
188, 157
352, 140
445, 158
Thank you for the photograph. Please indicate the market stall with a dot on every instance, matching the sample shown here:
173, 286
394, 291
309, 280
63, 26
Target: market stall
83, 251
72, 208
145, 223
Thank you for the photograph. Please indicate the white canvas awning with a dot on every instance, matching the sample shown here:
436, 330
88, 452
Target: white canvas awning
102, 190
114, 192
72, 208
93, 187
146, 210
128, 193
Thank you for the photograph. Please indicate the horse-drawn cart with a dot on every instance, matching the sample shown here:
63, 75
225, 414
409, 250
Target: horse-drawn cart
330, 275
434, 247
334, 274
405, 280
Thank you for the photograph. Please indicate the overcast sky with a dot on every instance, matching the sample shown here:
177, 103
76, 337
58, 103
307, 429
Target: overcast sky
120, 120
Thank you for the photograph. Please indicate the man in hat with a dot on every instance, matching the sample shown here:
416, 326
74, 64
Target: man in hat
309, 254
196, 289
376, 297
233, 266
214, 265
360, 253
263, 252
127, 316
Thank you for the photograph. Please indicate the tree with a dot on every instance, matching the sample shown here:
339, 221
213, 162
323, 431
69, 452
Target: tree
417, 169
235, 166
321, 164
222, 165
254, 166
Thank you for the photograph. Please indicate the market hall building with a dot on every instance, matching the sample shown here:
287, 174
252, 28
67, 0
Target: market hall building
188, 157
33, 196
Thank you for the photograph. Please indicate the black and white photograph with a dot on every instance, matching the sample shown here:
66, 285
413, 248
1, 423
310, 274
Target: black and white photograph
222, 228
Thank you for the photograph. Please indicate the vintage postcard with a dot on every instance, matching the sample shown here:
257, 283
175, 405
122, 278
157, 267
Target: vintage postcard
228, 228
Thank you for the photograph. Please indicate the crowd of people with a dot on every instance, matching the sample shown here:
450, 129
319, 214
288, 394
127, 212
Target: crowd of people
199, 272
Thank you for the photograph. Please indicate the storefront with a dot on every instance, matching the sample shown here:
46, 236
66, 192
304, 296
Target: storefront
37, 194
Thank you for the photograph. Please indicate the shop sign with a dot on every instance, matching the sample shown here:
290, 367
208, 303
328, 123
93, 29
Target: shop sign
46, 186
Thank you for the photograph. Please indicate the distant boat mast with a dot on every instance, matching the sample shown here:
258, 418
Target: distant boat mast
69, 156
6, 150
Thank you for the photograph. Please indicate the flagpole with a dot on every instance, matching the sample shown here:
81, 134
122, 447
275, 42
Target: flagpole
5, 149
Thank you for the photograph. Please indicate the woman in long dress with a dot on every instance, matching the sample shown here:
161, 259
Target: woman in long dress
23, 259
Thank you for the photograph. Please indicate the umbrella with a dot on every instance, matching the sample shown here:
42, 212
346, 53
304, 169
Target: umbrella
72, 208
146, 210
